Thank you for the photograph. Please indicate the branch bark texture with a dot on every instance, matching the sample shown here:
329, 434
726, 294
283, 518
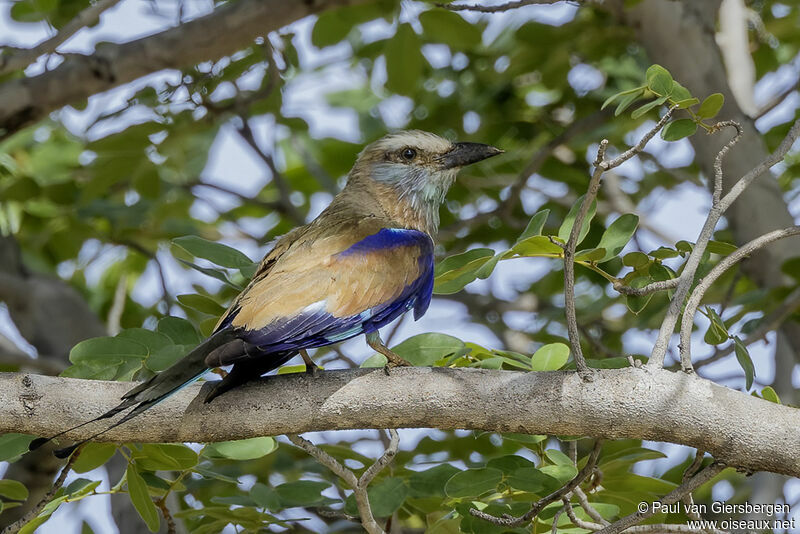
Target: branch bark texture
233, 25
738, 429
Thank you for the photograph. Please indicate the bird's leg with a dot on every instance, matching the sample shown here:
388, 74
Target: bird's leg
311, 367
394, 360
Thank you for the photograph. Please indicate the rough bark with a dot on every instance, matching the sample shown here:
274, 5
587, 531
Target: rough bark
229, 28
736, 428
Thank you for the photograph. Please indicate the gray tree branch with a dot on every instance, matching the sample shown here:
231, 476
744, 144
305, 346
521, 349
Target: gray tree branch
234, 25
653, 404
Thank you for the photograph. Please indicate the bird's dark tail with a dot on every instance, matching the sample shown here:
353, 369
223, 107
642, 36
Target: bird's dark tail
151, 392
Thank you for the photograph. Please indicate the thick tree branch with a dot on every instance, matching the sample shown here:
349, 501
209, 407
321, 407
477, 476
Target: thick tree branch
654, 404
24, 57
234, 25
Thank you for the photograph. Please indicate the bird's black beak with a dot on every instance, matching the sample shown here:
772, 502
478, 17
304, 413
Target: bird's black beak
467, 153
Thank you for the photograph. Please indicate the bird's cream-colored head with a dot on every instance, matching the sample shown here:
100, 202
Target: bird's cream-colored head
418, 168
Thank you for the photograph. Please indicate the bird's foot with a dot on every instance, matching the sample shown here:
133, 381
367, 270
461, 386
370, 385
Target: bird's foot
311, 367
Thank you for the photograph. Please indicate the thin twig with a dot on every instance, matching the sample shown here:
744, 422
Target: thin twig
117, 306
14, 527
601, 166
246, 133
686, 279
777, 100
672, 497
502, 7
580, 523
21, 58
161, 504
511, 521
699, 291
358, 485
652, 287
761, 168
385, 459
587, 506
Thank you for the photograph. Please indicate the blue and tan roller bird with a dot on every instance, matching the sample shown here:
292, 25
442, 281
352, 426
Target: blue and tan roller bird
363, 262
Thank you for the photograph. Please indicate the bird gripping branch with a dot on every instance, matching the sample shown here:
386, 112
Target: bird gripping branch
363, 262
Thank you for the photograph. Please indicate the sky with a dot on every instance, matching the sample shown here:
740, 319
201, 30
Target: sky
131, 19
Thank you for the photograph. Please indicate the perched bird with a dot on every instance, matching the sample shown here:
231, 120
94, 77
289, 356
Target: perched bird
363, 262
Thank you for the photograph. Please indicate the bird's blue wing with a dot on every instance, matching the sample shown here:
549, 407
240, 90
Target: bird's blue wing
324, 296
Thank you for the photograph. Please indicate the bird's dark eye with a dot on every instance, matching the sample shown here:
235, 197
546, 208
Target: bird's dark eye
409, 154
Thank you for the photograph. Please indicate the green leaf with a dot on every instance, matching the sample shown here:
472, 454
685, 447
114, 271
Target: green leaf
536, 246
329, 29
532, 480
403, 61
243, 449
385, 497
425, 349
590, 254
683, 104
638, 303
636, 91
487, 268
99, 349
663, 253
265, 497
456, 271
430, 483
165, 457
626, 102
140, 497
13, 445
473, 482
442, 26
678, 129
14, 490
510, 463
711, 106
216, 253
569, 221
93, 455
617, 235
181, 331
744, 359
301, 493
535, 225
165, 357
201, 303
638, 112
562, 473
769, 394
681, 94
659, 80
550, 357
717, 331
637, 260
558, 457
213, 273
720, 247
684, 246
